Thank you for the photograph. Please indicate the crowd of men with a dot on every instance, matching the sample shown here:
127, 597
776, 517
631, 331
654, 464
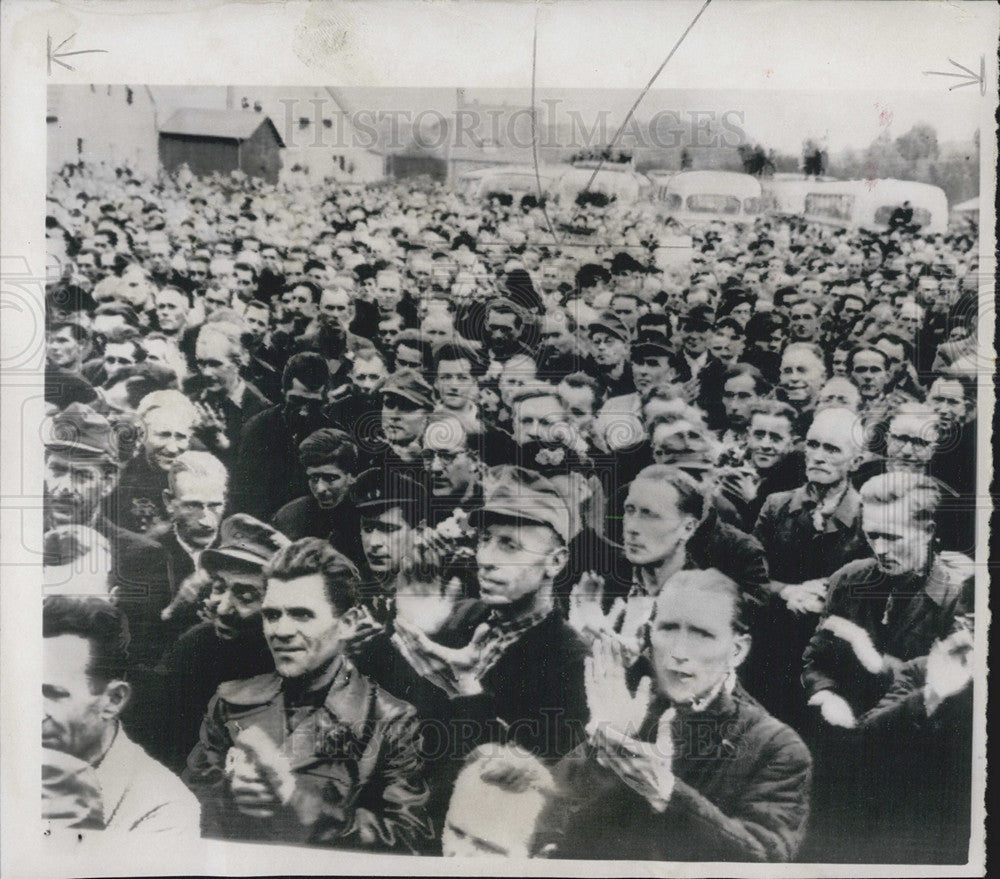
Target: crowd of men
381, 519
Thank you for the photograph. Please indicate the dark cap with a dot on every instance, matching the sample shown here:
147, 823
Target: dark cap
410, 385
380, 489
610, 323
648, 348
516, 493
84, 433
624, 262
245, 540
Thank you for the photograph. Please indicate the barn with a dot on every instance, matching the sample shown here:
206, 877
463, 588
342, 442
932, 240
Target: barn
222, 141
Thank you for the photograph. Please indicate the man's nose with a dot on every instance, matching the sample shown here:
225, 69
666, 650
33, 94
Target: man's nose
225, 604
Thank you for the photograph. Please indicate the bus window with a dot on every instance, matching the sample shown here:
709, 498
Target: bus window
672, 201
713, 204
921, 216
751, 206
836, 207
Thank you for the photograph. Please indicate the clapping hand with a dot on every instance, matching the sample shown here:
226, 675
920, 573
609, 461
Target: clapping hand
423, 601
615, 718
210, 420
949, 668
360, 628
454, 670
834, 709
585, 609
860, 641
808, 597
260, 776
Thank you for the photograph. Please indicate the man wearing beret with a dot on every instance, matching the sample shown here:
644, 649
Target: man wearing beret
312, 753
81, 471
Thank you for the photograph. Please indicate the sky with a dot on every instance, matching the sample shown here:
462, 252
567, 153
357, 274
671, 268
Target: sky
779, 120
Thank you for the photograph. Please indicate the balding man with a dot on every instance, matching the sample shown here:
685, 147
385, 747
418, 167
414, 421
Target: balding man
807, 534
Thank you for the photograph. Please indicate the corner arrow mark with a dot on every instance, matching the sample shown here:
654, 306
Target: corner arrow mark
56, 55
969, 77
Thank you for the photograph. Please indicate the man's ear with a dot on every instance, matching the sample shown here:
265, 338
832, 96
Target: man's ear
116, 697
556, 561
741, 649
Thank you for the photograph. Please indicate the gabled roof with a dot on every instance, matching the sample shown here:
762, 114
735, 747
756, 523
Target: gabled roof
236, 125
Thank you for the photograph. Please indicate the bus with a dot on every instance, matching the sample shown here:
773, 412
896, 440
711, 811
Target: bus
514, 180
621, 182
870, 204
696, 197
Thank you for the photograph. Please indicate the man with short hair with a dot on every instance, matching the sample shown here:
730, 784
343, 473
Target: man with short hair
772, 452
880, 613
520, 791
66, 344
686, 766
808, 534
453, 461
330, 459
313, 753
225, 400
167, 420
456, 372
172, 307
93, 775
802, 374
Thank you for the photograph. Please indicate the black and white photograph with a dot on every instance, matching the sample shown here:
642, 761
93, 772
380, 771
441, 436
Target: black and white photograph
551, 469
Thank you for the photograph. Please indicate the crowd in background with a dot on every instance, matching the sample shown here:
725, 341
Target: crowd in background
381, 518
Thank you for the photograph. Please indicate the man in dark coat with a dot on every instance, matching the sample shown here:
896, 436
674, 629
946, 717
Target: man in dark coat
81, 471
268, 473
315, 753
465, 664
688, 767
330, 459
807, 534
171, 698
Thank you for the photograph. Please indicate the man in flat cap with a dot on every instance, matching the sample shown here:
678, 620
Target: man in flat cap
466, 662
609, 340
81, 471
391, 507
407, 400
171, 698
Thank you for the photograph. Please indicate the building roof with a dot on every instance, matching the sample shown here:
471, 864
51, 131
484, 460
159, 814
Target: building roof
236, 125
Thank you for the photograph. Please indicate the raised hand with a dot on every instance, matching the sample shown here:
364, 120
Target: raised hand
834, 709
454, 670
949, 668
423, 599
193, 590
359, 629
615, 718
585, 613
612, 706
